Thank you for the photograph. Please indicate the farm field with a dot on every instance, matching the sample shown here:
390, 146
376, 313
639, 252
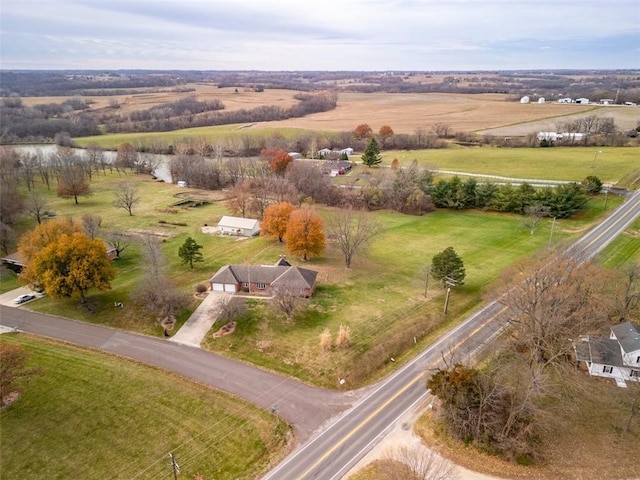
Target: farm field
243, 98
570, 163
492, 114
106, 417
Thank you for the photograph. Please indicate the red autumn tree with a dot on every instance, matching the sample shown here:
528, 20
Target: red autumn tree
275, 220
278, 159
385, 132
305, 233
362, 131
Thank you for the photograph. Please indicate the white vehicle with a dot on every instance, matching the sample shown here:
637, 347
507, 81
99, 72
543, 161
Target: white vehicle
24, 298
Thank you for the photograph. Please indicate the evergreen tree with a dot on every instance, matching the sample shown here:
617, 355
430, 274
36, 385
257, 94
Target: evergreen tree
447, 264
371, 155
189, 252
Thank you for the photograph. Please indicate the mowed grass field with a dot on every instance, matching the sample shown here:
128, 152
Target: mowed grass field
94, 416
381, 295
572, 163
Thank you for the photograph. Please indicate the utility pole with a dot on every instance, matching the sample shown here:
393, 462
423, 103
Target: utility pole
449, 282
426, 283
174, 466
446, 301
553, 224
606, 195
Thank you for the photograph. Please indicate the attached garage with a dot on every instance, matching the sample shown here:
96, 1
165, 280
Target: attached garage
225, 281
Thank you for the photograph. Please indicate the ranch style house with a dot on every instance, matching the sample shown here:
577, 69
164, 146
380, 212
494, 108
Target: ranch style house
265, 279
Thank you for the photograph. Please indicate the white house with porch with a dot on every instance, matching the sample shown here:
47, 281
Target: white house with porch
616, 357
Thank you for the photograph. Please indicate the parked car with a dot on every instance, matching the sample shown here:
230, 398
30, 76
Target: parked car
24, 298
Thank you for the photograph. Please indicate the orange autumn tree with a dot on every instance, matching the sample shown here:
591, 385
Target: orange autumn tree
275, 220
70, 266
305, 233
385, 132
44, 234
278, 159
362, 131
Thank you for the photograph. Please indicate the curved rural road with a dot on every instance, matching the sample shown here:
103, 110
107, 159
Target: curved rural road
301, 405
334, 449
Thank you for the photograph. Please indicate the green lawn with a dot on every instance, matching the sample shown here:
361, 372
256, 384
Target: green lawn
558, 163
95, 416
381, 299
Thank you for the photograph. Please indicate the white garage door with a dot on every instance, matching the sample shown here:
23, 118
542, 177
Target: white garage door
230, 287
218, 287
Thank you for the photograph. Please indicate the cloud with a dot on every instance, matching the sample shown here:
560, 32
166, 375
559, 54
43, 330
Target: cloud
327, 35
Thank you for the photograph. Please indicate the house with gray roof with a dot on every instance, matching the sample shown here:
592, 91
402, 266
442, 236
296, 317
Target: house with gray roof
616, 357
264, 279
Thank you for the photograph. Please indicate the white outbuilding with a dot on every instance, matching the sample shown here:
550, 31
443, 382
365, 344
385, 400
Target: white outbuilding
525, 99
241, 227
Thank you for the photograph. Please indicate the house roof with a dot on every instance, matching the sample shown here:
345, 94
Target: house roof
291, 277
604, 351
237, 222
628, 335
14, 258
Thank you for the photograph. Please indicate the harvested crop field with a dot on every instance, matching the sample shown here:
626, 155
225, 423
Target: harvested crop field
232, 100
406, 112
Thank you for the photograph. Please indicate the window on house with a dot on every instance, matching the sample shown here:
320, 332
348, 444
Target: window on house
245, 284
607, 369
635, 373
638, 360
260, 286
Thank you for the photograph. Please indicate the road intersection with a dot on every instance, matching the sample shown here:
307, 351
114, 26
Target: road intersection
334, 429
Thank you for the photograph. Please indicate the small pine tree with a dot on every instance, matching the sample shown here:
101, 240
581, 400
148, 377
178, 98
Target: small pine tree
189, 252
371, 155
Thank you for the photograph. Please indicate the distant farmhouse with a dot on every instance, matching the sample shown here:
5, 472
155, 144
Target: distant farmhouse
560, 137
335, 154
265, 279
616, 357
241, 227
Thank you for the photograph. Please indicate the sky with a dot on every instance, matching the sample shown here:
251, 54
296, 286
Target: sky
362, 35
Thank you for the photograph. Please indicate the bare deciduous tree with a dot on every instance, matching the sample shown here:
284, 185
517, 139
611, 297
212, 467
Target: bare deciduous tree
533, 216
286, 301
36, 205
126, 196
91, 224
351, 229
118, 240
551, 300
414, 463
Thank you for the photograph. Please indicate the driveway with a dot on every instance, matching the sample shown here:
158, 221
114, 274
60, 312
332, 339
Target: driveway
8, 297
201, 320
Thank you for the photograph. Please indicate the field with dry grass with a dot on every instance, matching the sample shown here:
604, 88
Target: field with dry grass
243, 98
406, 112
493, 114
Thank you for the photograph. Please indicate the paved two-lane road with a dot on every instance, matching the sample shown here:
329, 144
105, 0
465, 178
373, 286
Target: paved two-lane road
332, 453
333, 450
304, 406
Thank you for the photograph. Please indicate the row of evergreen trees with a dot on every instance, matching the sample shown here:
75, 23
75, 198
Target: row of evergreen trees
562, 201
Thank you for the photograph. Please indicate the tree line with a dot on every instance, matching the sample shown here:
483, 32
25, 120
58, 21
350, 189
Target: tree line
561, 201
